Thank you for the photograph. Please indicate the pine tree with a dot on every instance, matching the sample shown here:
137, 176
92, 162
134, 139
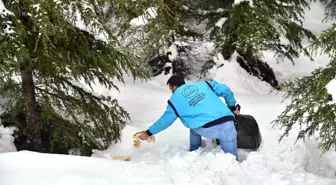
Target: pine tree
44, 56
242, 28
310, 106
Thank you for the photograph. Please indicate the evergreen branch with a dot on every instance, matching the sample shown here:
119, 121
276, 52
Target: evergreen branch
309, 107
252, 31
326, 42
330, 10
91, 107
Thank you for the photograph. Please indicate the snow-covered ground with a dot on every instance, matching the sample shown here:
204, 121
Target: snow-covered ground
167, 161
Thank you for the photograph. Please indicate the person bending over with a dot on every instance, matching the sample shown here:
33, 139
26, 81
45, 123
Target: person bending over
199, 107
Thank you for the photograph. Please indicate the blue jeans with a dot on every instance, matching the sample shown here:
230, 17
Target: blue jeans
225, 132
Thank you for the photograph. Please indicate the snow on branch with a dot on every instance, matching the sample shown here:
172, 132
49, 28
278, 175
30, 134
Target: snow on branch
331, 88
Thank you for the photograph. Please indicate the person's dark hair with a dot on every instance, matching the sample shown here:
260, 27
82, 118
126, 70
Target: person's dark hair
176, 80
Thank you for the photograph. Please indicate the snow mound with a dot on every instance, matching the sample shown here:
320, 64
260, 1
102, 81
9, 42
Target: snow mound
239, 80
285, 70
37, 169
186, 168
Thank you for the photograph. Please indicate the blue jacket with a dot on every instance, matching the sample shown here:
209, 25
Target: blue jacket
196, 105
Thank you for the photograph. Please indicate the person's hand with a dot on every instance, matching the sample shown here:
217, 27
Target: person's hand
236, 112
143, 135
235, 109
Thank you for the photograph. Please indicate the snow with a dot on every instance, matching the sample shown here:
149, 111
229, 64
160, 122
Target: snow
331, 88
143, 19
220, 22
284, 40
236, 2
173, 52
37, 6
168, 161
8, 30
314, 17
7, 139
285, 70
237, 78
239, 1
2, 8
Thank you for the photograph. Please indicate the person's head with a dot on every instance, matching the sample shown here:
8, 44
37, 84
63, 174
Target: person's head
174, 82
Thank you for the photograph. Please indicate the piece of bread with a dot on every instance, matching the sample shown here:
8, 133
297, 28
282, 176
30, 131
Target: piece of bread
121, 158
137, 141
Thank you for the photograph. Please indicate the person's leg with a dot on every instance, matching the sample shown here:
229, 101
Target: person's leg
195, 140
228, 142
226, 134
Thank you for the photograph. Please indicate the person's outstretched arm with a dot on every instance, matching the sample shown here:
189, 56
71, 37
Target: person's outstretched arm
164, 122
224, 91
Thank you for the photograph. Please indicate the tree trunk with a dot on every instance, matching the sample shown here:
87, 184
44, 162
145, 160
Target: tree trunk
33, 124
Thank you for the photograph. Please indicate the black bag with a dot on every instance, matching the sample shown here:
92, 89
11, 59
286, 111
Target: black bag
248, 133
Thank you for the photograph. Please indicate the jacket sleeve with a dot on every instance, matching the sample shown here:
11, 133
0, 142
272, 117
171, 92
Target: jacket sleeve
164, 122
225, 92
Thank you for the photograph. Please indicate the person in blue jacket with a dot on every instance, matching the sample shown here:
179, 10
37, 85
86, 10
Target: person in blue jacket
199, 107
